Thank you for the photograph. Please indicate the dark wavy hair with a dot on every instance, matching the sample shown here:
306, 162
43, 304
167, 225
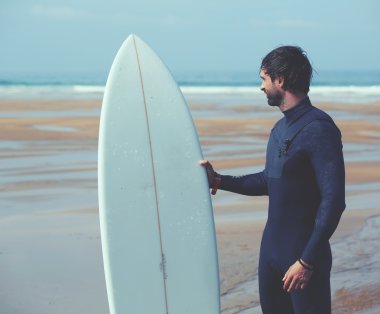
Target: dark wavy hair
291, 63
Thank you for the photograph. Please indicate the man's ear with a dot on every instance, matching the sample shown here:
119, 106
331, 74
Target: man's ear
280, 81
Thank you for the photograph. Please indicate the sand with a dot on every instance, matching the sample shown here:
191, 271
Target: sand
50, 254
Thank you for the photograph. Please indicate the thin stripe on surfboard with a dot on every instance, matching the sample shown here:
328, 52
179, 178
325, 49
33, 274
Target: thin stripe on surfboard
163, 261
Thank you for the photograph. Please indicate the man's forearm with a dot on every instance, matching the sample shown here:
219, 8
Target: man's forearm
251, 184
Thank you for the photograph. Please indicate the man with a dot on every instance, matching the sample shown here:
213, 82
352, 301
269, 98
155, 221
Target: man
304, 179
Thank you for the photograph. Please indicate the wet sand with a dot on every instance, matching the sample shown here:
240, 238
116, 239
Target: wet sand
50, 253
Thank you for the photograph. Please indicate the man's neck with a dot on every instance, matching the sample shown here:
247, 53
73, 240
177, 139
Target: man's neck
291, 100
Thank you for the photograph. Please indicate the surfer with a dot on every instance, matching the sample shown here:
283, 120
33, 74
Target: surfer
304, 179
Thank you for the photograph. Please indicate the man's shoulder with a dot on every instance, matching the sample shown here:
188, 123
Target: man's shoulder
320, 114
321, 122
280, 123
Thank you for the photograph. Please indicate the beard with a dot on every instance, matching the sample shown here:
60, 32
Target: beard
275, 98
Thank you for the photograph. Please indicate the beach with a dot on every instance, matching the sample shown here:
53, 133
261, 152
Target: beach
50, 251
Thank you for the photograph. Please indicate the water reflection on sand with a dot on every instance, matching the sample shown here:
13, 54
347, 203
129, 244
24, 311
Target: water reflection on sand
48, 221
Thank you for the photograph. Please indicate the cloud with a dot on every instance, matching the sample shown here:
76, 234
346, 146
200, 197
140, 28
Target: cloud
171, 20
291, 24
59, 12
294, 23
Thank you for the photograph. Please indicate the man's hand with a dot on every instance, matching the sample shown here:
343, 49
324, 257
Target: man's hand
297, 277
210, 171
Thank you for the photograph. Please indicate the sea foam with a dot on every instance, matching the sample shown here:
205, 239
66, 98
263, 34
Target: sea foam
346, 94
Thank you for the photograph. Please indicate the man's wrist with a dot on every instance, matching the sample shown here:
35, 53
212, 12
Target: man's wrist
216, 183
306, 265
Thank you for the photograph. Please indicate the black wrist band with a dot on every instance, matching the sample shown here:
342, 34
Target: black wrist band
304, 265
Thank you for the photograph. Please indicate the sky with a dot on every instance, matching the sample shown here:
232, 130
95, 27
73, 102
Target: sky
52, 37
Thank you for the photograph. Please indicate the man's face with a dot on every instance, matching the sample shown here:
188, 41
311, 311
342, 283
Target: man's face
273, 90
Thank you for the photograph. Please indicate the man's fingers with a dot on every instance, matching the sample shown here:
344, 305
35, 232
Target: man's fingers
284, 286
286, 275
287, 282
305, 283
298, 286
207, 165
296, 278
292, 285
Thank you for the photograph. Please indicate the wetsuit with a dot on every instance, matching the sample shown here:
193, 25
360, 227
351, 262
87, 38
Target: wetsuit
304, 178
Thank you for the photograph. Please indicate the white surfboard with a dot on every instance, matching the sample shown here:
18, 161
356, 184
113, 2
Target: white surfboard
157, 227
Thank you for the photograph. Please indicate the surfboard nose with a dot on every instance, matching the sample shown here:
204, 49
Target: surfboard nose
133, 37
129, 39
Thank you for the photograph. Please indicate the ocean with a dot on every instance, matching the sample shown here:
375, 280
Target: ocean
336, 86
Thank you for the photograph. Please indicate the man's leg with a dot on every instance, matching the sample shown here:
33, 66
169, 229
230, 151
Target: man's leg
316, 298
273, 299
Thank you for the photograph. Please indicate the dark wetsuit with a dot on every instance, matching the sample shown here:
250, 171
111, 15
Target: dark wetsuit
305, 183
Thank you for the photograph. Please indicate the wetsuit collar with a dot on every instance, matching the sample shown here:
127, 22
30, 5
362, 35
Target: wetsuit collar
294, 113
